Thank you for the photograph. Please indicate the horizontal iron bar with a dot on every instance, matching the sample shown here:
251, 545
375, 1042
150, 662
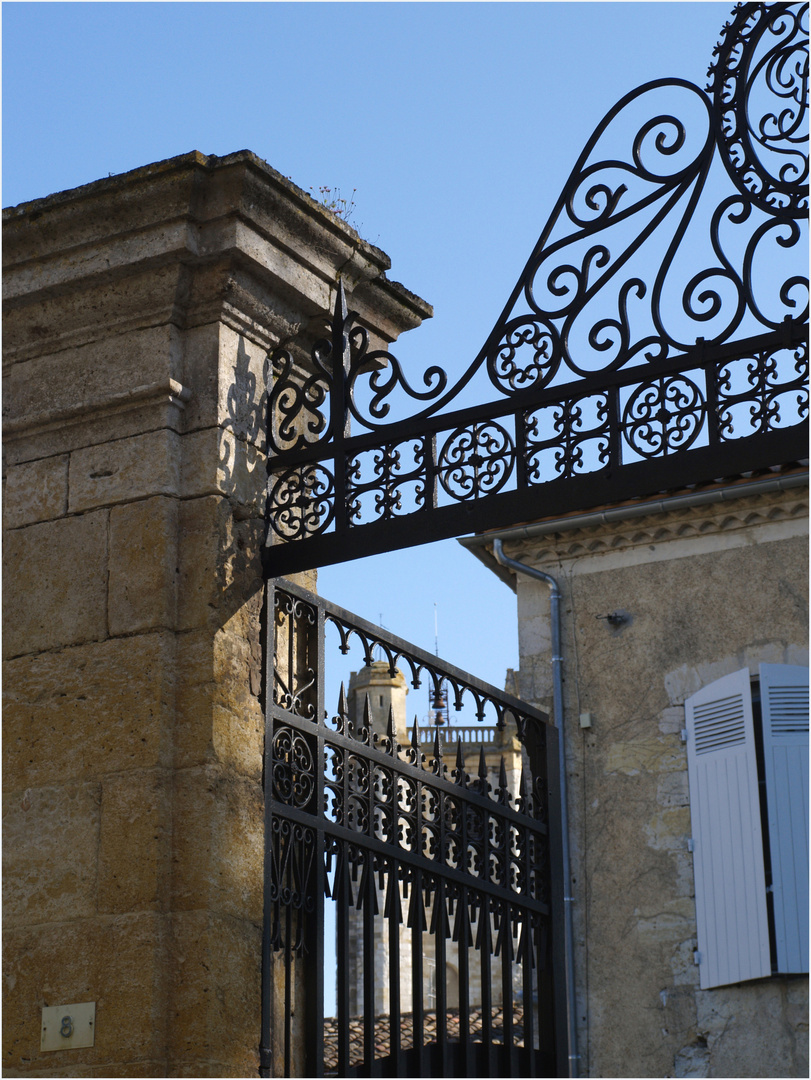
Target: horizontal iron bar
701, 356
555, 497
413, 772
436, 868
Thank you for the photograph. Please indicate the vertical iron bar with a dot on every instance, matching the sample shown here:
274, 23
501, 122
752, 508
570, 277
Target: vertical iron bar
526, 991
487, 997
418, 1011
429, 464
393, 883
507, 980
315, 978
339, 412
614, 428
711, 387
342, 955
440, 914
342, 911
462, 915
265, 1050
486, 955
520, 420
368, 963
288, 985
555, 892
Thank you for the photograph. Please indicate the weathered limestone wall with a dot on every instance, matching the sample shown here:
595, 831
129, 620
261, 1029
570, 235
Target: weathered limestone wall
137, 317
707, 592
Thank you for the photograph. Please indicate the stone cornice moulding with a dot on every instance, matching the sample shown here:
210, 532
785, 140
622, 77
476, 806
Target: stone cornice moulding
706, 515
158, 394
234, 213
685, 523
184, 183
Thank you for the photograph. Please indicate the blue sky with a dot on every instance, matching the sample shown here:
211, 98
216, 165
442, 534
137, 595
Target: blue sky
455, 123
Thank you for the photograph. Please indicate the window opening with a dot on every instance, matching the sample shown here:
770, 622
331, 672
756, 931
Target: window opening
747, 759
757, 716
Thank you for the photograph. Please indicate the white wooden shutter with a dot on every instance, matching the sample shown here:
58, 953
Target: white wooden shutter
732, 923
784, 704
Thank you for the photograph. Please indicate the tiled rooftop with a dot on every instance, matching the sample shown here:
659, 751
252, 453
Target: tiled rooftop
382, 1033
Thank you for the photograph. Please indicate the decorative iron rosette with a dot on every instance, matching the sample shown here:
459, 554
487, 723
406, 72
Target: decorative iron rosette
664, 416
293, 775
301, 502
476, 460
527, 357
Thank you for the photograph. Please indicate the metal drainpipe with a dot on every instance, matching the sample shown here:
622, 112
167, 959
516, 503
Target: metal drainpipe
557, 710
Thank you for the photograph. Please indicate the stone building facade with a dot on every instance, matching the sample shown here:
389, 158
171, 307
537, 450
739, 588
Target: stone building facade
658, 603
138, 315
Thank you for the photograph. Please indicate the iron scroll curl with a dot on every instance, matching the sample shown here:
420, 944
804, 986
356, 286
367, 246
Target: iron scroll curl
675, 249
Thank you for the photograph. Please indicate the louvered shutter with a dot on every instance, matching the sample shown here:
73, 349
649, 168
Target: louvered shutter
732, 923
784, 704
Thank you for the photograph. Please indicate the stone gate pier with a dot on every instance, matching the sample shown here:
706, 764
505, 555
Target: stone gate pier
138, 314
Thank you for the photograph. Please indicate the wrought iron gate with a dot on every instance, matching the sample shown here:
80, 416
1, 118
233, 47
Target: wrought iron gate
612, 373
433, 862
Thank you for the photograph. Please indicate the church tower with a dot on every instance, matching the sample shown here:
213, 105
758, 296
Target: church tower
383, 692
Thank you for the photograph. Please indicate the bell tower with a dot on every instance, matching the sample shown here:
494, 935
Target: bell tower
384, 691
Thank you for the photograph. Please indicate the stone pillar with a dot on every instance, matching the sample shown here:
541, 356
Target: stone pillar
138, 313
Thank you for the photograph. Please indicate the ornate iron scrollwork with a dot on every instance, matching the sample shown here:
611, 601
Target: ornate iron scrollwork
674, 251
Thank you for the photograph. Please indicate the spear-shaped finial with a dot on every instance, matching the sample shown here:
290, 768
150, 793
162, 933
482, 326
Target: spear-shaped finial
523, 788
340, 304
482, 772
415, 744
365, 733
461, 775
340, 365
391, 732
438, 766
343, 711
503, 792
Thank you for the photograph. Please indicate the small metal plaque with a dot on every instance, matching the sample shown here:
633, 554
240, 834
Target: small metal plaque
68, 1027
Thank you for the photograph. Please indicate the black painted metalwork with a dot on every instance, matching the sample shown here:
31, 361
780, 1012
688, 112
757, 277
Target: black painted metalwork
428, 859
657, 336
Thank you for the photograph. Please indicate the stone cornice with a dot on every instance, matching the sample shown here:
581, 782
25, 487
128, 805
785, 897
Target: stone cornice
684, 523
775, 508
170, 393
242, 230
